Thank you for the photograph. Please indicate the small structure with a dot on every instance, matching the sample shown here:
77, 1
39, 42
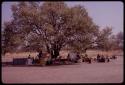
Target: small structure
19, 61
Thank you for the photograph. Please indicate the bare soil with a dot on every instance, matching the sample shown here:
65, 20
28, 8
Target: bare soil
111, 72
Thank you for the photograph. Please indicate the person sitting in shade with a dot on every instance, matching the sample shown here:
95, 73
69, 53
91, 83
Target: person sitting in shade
107, 58
40, 55
102, 58
72, 57
98, 58
29, 60
78, 56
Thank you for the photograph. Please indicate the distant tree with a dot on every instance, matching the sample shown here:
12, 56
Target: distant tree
103, 39
52, 25
107, 41
113, 42
120, 39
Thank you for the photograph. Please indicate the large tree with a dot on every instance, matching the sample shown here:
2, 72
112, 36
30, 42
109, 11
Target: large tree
10, 39
53, 25
120, 39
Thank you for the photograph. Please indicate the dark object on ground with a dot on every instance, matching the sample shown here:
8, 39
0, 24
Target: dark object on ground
102, 60
98, 58
108, 60
113, 57
19, 61
6, 63
49, 62
86, 59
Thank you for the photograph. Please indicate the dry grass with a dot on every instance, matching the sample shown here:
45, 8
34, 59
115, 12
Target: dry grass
91, 53
22, 54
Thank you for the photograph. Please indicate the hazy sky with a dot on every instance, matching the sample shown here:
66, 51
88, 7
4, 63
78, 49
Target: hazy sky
103, 13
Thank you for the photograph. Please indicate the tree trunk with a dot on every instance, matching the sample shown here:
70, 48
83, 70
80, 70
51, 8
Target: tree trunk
54, 51
48, 49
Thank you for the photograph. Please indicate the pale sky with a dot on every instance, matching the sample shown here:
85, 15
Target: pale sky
103, 13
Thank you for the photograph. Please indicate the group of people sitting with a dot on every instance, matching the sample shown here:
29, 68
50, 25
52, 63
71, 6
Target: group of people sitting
72, 57
46, 58
85, 58
39, 59
101, 58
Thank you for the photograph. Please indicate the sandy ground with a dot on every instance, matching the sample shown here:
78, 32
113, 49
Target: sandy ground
111, 72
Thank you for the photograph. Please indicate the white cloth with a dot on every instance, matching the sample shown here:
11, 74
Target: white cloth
72, 56
29, 61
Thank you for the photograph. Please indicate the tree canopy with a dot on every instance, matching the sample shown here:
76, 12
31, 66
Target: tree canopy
51, 26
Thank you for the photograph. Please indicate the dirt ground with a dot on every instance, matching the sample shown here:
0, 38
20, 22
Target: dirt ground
111, 72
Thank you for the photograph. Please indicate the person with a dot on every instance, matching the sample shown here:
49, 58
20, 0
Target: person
77, 56
48, 59
107, 58
98, 58
89, 60
40, 55
36, 60
33, 60
68, 57
72, 57
29, 60
102, 58
114, 57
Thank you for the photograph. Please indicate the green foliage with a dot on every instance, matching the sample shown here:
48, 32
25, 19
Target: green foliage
107, 41
52, 25
103, 39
